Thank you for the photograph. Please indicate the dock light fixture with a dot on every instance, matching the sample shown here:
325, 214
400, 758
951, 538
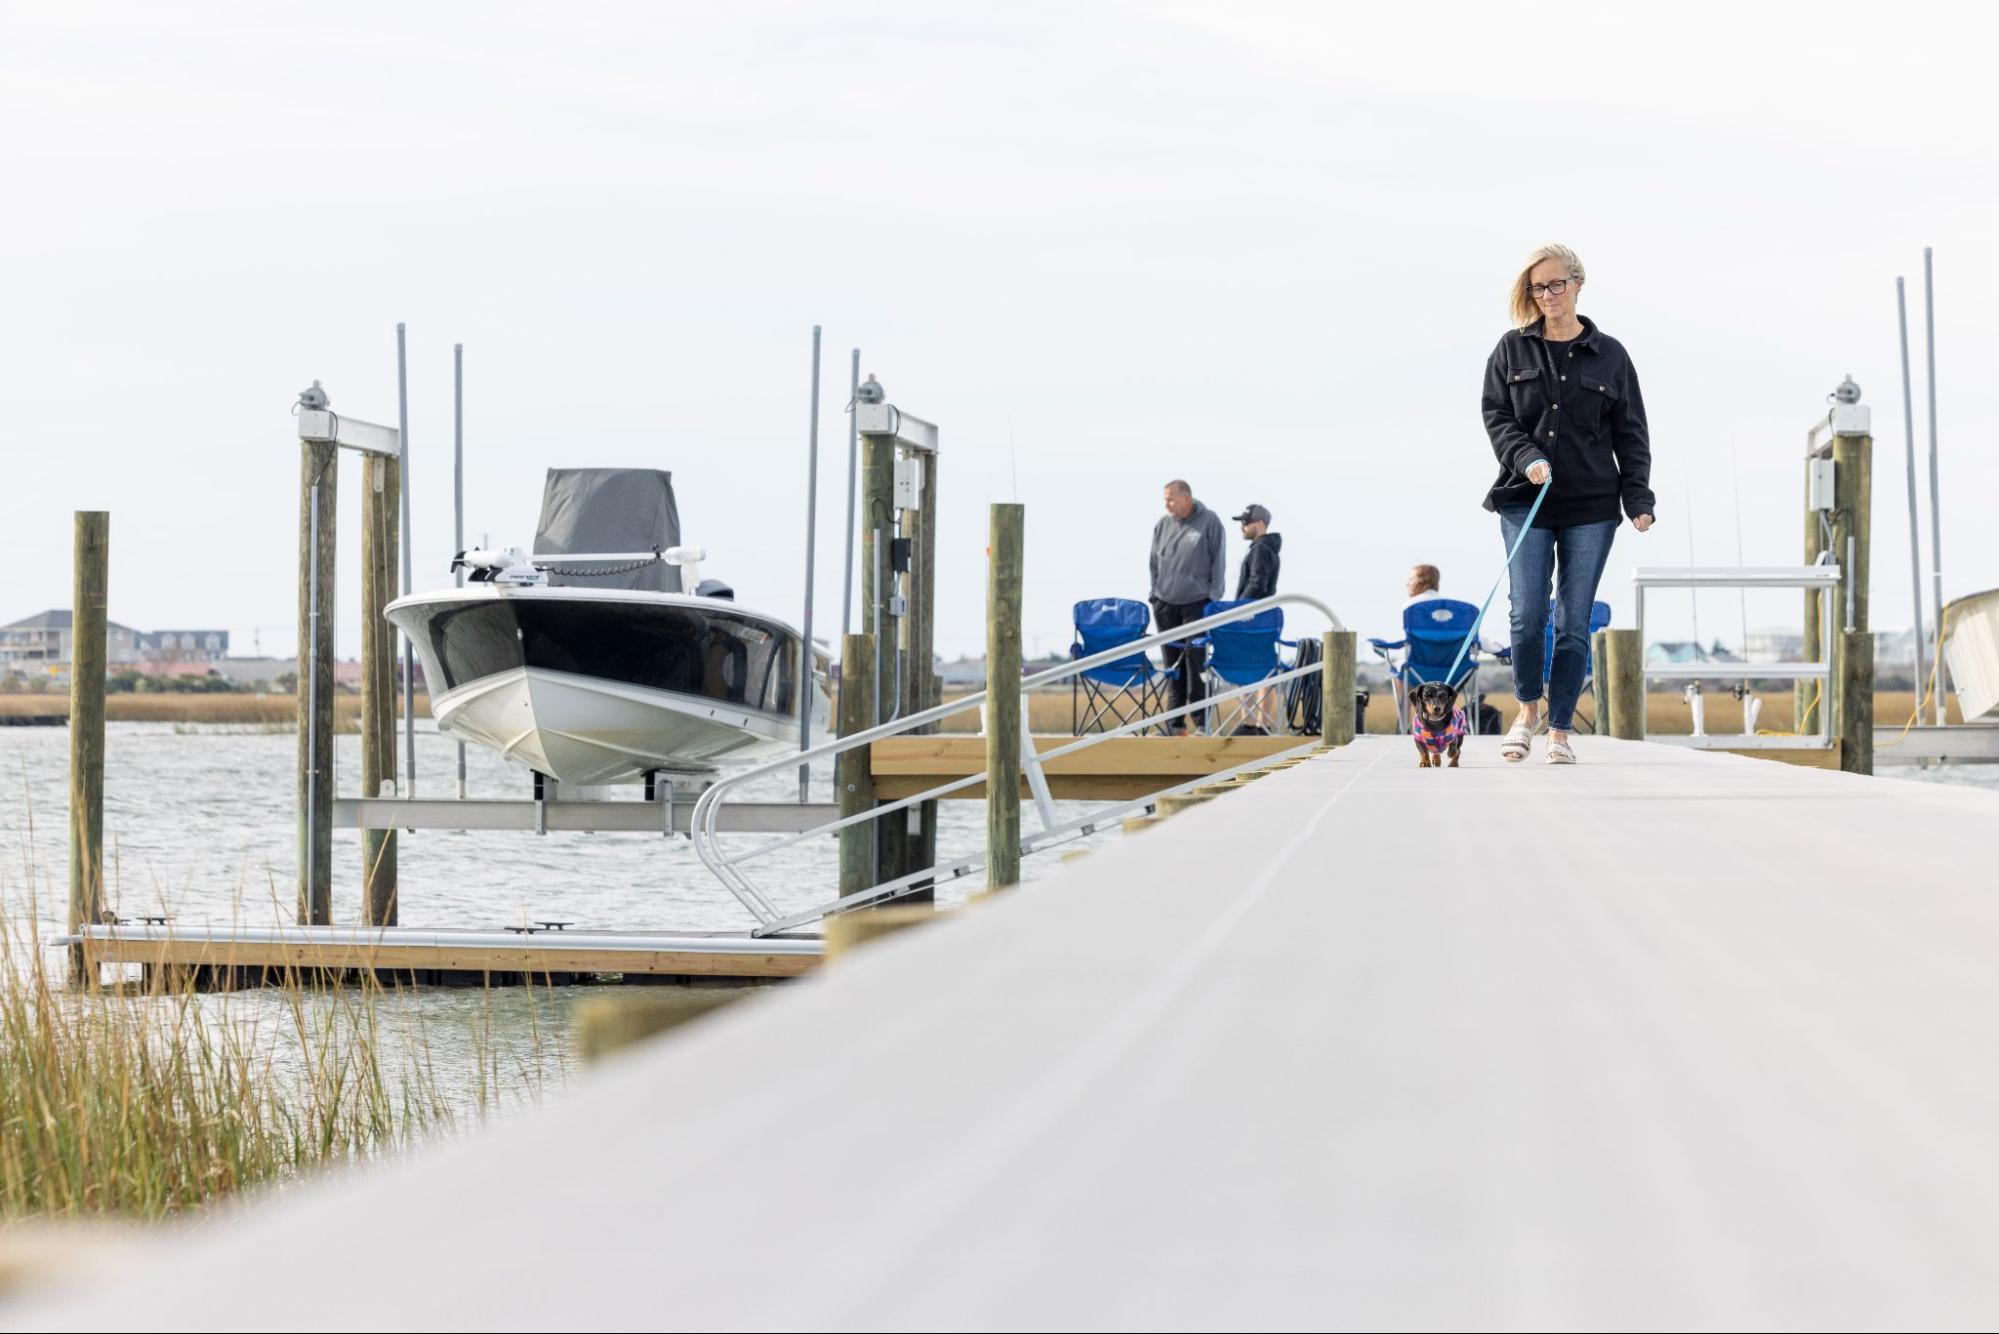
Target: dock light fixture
1849, 416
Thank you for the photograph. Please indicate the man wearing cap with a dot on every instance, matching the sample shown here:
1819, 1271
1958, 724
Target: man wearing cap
1189, 570
1258, 576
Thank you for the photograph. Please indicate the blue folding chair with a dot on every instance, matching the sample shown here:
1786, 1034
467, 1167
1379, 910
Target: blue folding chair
1599, 618
1242, 653
1120, 692
1432, 631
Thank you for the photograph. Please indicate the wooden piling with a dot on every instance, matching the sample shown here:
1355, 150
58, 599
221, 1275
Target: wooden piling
318, 494
1599, 682
1853, 703
89, 618
1624, 691
1004, 569
849, 931
853, 771
1336, 686
380, 516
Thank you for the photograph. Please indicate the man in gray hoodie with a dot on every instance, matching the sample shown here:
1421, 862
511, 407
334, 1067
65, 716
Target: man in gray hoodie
1189, 570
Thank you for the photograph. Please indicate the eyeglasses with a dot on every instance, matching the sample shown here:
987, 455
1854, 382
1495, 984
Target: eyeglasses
1555, 288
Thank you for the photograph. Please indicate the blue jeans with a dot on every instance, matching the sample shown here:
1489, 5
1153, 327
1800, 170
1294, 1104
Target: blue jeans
1572, 560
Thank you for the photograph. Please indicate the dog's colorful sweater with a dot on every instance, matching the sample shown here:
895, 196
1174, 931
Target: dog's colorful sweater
1439, 742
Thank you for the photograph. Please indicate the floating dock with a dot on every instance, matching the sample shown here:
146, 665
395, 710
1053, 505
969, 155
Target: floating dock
224, 956
1667, 1039
1117, 769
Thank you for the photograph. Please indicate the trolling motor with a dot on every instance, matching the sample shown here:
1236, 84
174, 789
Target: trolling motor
510, 566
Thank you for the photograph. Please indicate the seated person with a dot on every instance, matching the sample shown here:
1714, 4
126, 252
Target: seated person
1423, 586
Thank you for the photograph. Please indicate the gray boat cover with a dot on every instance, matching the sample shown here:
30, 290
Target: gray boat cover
606, 510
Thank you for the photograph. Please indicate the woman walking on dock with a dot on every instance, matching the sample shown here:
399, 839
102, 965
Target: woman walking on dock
1562, 407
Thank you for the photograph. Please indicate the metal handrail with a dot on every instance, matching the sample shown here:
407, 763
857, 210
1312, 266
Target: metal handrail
1820, 580
704, 823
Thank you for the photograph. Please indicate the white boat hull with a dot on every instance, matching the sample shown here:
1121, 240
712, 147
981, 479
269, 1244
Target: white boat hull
592, 687
1971, 649
586, 731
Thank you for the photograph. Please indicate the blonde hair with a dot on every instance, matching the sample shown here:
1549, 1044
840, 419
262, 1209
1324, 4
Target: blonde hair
1525, 312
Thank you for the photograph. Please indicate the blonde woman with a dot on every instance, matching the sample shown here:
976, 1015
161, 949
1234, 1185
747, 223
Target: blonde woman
1562, 407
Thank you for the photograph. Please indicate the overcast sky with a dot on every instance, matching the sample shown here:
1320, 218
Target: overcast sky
1263, 247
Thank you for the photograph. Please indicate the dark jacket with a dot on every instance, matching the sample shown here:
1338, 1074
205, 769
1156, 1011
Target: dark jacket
1575, 405
1258, 576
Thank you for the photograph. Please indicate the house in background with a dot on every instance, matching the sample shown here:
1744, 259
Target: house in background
182, 646
40, 644
1684, 651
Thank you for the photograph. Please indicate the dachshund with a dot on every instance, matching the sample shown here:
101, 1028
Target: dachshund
1438, 723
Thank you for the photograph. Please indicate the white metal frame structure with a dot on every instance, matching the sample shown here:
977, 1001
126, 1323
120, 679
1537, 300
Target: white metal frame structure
1821, 579
710, 810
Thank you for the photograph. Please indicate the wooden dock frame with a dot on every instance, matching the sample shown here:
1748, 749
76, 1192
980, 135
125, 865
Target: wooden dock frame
229, 958
322, 435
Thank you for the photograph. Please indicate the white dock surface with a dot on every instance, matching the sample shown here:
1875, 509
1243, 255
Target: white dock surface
1665, 1040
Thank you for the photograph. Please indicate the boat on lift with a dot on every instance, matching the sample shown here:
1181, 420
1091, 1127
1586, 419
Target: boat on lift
1971, 647
602, 657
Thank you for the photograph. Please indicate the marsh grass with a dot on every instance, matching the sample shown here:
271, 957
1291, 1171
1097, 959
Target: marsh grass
151, 1101
1669, 713
270, 711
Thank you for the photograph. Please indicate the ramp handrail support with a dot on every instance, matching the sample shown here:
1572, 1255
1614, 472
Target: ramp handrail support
704, 825
1823, 580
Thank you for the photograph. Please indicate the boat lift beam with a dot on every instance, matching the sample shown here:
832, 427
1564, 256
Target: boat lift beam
323, 426
594, 817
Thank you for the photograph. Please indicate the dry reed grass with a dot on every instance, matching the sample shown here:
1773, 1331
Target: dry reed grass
1669, 714
151, 1103
273, 711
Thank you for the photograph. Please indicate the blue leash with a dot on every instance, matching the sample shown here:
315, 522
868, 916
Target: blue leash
1472, 635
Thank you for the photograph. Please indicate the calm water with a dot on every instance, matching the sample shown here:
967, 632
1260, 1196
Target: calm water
199, 825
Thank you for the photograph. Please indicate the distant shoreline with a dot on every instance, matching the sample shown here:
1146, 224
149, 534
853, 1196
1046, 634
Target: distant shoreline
1048, 710
245, 709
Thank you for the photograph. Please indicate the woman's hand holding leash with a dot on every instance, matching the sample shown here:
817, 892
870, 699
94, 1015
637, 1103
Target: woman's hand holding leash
1540, 474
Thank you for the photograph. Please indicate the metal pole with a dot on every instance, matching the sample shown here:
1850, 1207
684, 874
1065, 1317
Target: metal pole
811, 543
853, 461
409, 650
458, 491
1915, 528
1936, 520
